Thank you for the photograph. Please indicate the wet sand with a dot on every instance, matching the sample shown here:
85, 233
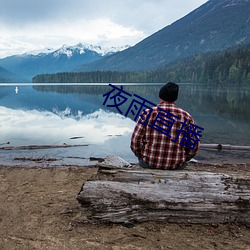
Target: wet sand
39, 210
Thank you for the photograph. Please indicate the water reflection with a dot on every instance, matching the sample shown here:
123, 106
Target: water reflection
228, 101
101, 131
222, 112
29, 127
52, 114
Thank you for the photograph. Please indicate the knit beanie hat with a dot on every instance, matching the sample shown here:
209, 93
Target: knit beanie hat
169, 92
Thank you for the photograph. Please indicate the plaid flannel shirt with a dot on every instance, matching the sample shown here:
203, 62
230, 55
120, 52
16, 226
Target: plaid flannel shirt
157, 149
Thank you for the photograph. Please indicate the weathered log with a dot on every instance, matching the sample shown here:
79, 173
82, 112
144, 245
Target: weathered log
224, 147
119, 195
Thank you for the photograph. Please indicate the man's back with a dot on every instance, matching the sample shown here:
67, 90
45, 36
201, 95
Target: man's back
163, 138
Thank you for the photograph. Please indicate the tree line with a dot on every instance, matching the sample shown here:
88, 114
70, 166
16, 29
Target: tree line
231, 66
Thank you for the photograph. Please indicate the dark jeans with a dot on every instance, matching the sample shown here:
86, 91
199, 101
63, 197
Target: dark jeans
145, 165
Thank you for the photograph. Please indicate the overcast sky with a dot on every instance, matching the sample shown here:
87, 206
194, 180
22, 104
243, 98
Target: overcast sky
27, 25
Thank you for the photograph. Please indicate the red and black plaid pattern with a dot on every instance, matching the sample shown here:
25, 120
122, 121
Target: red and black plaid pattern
157, 139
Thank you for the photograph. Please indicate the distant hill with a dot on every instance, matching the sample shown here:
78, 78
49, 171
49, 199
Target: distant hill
214, 26
8, 77
63, 59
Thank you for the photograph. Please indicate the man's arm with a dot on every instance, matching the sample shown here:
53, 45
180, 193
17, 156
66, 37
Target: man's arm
190, 153
137, 138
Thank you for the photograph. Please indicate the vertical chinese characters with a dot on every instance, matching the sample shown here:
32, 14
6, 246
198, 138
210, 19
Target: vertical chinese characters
118, 98
188, 135
137, 106
191, 135
164, 122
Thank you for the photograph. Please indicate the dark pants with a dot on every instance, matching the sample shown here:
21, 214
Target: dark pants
145, 165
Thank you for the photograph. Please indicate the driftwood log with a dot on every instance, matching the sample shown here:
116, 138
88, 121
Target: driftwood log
135, 195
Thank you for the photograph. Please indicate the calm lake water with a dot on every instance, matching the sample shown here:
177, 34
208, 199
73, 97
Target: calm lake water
74, 114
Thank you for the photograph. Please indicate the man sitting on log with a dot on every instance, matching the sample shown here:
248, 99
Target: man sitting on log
165, 136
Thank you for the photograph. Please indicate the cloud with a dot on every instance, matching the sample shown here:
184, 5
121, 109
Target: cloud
140, 14
30, 24
22, 12
38, 36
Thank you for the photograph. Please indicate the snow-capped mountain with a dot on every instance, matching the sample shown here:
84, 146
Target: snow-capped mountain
49, 60
81, 48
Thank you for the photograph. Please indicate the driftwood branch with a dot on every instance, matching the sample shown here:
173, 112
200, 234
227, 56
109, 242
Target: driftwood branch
224, 147
29, 147
37, 160
120, 195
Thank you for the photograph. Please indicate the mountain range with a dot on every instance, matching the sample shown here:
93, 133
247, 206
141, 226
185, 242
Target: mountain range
64, 59
214, 26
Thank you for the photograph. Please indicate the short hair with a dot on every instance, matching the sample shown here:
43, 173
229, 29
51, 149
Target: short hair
169, 92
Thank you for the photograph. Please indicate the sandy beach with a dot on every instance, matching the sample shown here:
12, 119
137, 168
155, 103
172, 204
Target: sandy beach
39, 210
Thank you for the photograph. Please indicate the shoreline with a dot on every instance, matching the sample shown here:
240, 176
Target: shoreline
194, 166
66, 156
39, 210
